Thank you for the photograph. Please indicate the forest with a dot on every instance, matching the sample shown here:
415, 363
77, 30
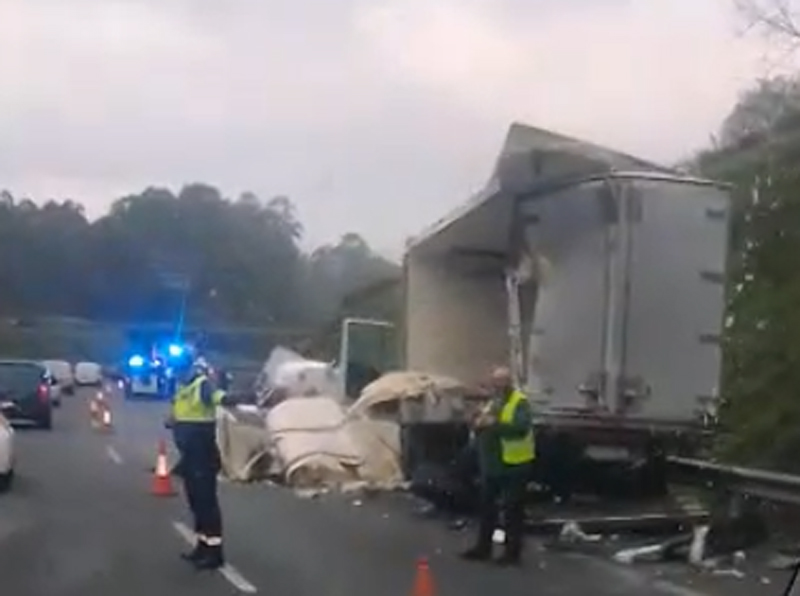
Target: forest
229, 261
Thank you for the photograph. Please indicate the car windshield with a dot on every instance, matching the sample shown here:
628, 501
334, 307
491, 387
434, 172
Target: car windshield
19, 376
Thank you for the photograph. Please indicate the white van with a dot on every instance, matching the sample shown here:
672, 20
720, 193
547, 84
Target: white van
88, 374
62, 371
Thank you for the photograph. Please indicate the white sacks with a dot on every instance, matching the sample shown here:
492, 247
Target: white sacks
317, 444
311, 442
304, 378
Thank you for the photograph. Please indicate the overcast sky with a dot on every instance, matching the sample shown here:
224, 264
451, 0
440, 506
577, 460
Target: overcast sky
376, 116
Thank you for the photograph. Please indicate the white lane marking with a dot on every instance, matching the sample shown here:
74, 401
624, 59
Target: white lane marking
237, 580
114, 455
230, 573
667, 587
184, 532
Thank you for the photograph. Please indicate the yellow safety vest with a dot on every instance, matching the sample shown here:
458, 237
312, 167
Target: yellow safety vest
187, 405
516, 451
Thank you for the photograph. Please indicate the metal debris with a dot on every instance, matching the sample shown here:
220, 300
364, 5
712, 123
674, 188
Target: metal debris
572, 532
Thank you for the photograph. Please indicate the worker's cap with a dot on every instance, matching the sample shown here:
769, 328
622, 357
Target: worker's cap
501, 374
200, 365
500, 377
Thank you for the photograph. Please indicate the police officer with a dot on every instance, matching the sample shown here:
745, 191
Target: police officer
505, 444
193, 420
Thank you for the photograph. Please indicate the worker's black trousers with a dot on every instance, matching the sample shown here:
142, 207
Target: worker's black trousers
200, 465
201, 493
503, 494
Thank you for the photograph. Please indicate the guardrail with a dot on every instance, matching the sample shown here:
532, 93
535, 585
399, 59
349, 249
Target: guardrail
762, 484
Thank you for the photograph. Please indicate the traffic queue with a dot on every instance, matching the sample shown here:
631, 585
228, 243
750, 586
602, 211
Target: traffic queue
30, 391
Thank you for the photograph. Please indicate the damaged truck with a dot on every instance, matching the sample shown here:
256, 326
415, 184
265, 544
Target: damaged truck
601, 278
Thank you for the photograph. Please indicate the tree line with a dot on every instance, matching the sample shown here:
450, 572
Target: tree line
757, 150
156, 254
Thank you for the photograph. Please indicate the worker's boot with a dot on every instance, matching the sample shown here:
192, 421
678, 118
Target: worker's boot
198, 552
212, 557
512, 554
477, 553
509, 559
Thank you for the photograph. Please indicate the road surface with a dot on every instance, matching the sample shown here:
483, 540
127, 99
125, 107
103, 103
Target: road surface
81, 522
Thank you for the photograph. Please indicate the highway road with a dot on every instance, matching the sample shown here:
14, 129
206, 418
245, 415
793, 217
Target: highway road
81, 522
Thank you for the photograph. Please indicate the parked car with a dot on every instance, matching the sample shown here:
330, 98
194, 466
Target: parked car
88, 374
26, 392
6, 454
62, 371
55, 388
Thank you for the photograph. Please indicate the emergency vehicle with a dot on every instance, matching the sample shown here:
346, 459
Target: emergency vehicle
154, 372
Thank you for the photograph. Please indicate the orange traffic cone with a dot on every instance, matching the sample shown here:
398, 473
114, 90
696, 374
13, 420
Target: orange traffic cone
94, 412
162, 481
106, 423
423, 582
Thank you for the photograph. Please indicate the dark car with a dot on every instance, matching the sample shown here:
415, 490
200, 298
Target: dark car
25, 392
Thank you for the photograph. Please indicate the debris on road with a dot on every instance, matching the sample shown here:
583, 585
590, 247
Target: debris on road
572, 532
314, 441
783, 562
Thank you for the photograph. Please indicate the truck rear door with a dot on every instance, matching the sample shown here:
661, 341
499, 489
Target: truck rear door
674, 298
569, 233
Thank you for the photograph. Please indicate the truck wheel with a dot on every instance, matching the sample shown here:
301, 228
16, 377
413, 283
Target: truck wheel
6, 480
654, 472
46, 422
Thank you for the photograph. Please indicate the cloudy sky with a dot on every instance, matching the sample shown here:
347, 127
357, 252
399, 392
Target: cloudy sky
376, 116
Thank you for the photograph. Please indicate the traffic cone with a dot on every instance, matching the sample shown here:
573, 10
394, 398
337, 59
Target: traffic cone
423, 582
162, 481
105, 417
94, 412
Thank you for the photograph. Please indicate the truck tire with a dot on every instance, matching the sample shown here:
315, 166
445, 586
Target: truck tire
46, 422
654, 480
6, 480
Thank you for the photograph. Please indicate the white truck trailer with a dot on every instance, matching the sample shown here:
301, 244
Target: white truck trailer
601, 279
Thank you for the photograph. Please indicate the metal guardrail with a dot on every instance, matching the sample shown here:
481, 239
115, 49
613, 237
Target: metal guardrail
770, 486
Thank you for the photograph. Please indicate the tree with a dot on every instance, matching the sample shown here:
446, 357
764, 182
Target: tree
334, 270
762, 110
760, 413
777, 19
229, 261
760, 145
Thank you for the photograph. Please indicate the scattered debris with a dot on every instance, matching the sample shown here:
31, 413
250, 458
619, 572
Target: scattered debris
458, 523
669, 549
572, 532
697, 550
643, 553
310, 493
783, 562
731, 572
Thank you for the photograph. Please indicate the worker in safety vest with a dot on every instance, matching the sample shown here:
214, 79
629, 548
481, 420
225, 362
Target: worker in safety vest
193, 421
506, 450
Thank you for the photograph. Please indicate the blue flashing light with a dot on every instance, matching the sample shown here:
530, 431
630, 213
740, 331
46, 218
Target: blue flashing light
136, 361
175, 350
